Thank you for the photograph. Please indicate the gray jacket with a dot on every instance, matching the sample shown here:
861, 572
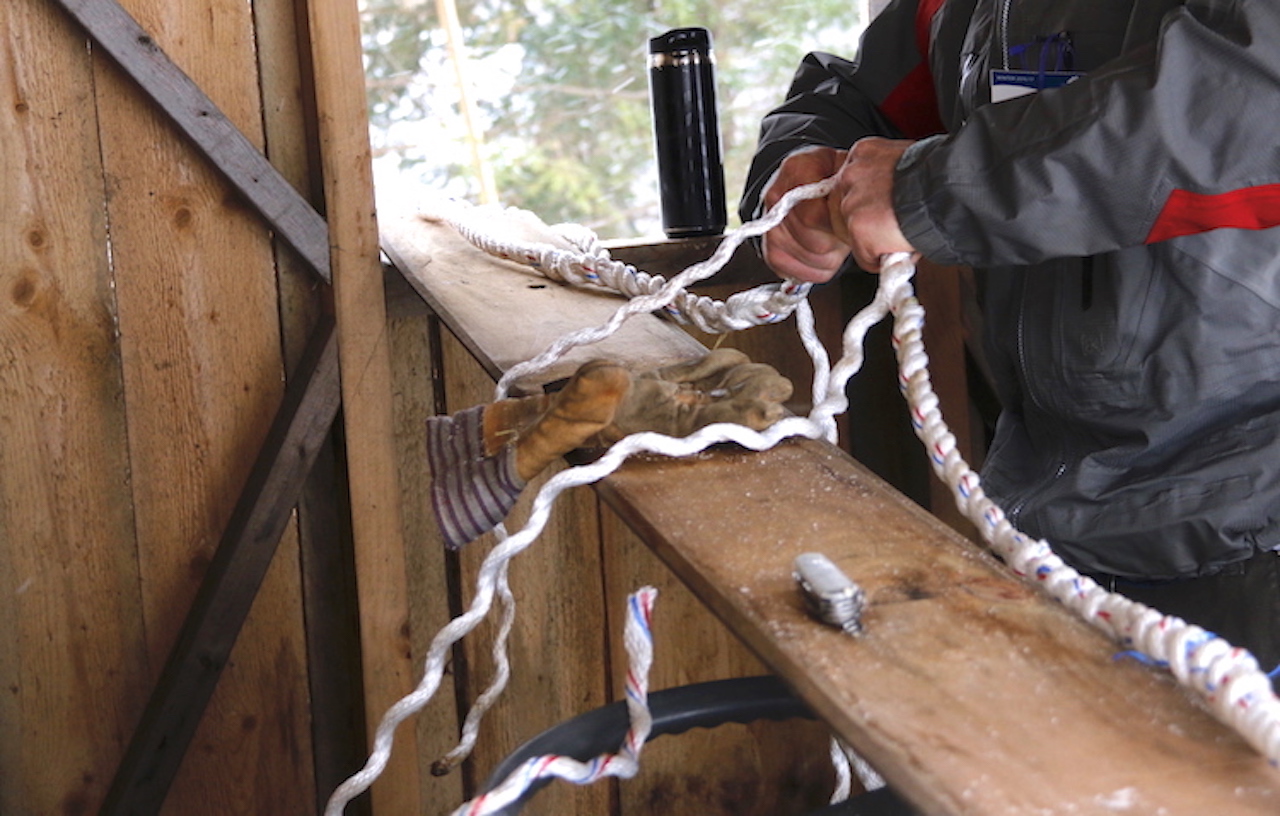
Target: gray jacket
1121, 226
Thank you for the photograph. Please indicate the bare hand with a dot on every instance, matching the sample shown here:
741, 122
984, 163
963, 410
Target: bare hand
805, 246
857, 217
862, 202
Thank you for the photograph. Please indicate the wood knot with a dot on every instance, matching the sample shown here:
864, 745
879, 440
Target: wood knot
24, 290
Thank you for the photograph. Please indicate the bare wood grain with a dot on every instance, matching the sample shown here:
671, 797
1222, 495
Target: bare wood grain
136, 51
231, 584
416, 398
73, 656
194, 277
359, 302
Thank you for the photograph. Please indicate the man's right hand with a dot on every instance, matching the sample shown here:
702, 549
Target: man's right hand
809, 244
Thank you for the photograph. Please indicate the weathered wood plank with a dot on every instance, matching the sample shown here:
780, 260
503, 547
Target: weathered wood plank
970, 691
73, 657
418, 395
203, 380
516, 312
136, 52
231, 583
359, 302
325, 547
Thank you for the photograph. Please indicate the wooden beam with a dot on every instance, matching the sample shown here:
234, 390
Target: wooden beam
231, 583
193, 112
360, 304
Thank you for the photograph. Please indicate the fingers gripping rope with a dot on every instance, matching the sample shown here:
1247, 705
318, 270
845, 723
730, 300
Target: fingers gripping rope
638, 639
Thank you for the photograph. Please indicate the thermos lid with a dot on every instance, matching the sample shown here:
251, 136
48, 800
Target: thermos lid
681, 39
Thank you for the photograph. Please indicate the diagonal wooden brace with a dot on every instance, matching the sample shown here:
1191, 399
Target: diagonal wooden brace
116, 32
229, 587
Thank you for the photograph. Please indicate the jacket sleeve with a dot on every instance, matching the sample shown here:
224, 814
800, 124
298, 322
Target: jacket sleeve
833, 102
1173, 139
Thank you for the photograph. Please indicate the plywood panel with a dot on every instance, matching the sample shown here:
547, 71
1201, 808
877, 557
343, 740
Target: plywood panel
195, 283
73, 662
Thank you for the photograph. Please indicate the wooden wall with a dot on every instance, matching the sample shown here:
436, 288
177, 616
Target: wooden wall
147, 323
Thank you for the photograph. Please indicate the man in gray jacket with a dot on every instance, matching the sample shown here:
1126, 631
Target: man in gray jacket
1112, 172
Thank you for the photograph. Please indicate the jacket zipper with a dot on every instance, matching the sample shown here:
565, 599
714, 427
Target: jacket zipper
1005, 8
1017, 507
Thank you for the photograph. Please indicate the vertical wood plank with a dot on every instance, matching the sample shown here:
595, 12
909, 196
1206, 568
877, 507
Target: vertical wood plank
760, 769
330, 601
376, 516
73, 659
415, 399
195, 283
558, 646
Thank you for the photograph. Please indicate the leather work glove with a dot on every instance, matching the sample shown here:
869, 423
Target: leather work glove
723, 386
482, 458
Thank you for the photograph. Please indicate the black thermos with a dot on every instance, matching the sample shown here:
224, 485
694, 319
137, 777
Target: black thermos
682, 87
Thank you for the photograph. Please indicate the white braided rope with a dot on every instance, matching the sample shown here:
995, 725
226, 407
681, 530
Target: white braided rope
848, 765
1229, 679
501, 674
589, 265
844, 771
638, 640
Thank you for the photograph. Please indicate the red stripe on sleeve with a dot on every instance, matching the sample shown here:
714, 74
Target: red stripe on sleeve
1187, 213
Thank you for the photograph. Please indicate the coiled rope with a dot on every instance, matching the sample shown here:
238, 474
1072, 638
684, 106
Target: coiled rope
1228, 678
